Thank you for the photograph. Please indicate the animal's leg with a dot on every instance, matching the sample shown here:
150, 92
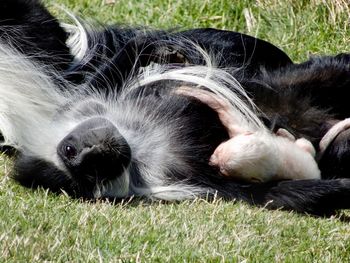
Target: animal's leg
324, 80
138, 52
301, 143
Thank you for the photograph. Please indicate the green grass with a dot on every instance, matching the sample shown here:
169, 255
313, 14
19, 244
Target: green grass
38, 226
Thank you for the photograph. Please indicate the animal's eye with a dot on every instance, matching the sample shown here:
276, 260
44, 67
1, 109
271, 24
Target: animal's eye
70, 151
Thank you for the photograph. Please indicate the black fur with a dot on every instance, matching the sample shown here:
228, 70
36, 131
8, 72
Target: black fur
127, 49
304, 98
32, 30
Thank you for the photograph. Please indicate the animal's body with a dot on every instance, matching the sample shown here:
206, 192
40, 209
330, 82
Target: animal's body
94, 126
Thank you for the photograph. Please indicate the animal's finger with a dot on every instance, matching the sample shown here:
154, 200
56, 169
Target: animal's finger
223, 108
212, 100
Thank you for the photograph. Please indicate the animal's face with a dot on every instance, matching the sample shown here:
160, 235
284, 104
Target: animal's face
94, 152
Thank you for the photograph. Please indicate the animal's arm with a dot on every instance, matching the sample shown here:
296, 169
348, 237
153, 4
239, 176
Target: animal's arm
237, 50
324, 80
135, 54
139, 51
225, 111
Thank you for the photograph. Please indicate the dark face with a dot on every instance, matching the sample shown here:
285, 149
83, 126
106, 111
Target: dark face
94, 152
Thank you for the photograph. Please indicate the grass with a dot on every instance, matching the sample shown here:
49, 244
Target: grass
37, 226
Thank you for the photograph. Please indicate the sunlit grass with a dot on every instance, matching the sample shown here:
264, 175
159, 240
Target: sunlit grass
38, 226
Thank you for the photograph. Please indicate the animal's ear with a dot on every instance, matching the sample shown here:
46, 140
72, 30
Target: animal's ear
32, 30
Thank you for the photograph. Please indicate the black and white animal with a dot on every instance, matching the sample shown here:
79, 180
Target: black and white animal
100, 117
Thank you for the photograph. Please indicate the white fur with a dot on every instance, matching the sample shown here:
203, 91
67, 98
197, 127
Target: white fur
28, 102
36, 113
78, 40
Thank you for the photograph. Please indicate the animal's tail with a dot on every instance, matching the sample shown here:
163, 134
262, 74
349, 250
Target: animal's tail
316, 197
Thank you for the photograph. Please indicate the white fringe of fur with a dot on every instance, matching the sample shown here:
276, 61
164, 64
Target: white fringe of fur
29, 100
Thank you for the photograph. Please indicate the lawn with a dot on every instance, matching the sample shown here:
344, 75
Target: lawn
38, 226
